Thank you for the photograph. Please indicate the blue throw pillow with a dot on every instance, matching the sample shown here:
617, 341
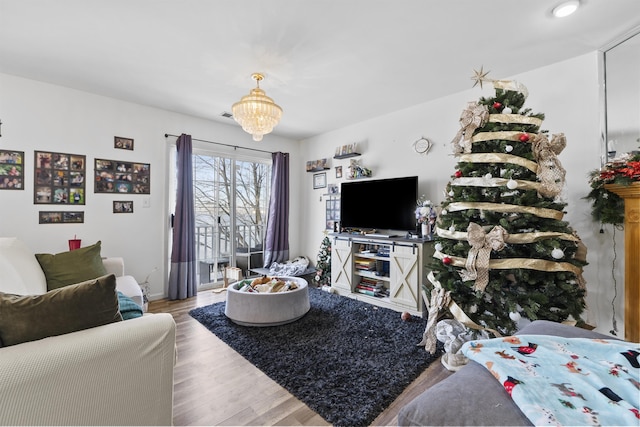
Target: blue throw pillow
128, 308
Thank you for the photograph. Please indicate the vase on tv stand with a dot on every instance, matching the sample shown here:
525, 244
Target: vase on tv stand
424, 229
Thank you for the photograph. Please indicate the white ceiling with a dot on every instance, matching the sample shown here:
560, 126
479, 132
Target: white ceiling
328, 63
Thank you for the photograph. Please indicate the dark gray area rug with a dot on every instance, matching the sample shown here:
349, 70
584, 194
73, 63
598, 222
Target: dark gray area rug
346, 359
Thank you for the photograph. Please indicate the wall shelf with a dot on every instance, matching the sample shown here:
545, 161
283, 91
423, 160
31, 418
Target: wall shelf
346, 156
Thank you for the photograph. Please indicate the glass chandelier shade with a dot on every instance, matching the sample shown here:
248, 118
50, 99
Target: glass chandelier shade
256, 112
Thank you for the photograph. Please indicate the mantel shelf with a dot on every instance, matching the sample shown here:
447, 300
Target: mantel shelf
318, 170
624, 191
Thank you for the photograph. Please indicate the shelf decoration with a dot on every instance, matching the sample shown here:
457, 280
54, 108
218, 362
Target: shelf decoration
356, 171
11, 170
115, 176
346, 151
59, 178
317, 165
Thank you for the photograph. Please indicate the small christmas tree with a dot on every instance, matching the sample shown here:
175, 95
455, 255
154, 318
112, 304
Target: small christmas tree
323, 265
503, 251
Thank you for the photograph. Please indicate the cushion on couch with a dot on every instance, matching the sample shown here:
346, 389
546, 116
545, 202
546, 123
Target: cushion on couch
66, 268
60, 311
20, 272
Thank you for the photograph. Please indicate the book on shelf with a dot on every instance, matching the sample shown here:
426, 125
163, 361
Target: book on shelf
369, 281
372, 287
377, 293
366, 292
367, 265
383, 251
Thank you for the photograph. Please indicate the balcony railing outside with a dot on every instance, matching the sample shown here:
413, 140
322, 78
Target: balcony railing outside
207, 240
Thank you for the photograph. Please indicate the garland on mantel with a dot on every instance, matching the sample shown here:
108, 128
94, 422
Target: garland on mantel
606, 206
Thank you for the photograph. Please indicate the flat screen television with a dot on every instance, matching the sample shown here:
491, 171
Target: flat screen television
382, 204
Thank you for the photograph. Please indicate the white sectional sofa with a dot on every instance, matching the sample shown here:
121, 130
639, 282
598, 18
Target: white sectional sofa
119, 373
21, 274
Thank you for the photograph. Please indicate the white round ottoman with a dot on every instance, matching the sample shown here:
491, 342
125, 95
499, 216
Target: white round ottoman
267, 309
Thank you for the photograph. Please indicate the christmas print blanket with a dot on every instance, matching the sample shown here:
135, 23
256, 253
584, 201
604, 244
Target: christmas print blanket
565, 381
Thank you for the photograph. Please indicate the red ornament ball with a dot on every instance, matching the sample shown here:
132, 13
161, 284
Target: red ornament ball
524, 137
446, 260
406, 316
458, 174
497, 105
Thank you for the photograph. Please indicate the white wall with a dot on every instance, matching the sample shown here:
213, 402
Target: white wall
566, 92
38, 116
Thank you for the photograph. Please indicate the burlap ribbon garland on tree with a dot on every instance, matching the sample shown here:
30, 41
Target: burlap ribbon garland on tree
482, 243
473, 117
550, 171
441, 299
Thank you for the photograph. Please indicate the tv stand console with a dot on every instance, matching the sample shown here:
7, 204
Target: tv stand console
384, 271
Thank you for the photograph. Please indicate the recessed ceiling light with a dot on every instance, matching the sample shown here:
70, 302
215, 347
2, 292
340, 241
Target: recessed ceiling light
566, 8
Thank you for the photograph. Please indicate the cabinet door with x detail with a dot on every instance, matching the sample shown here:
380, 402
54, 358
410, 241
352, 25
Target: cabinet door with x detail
342, 265
405, 276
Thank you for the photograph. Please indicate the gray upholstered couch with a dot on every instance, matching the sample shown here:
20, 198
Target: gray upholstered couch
472, 396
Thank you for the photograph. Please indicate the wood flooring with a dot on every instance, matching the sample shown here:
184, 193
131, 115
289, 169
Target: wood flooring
214, 385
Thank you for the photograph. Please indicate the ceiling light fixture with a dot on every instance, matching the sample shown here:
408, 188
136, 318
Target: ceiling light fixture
256, 112
566, 8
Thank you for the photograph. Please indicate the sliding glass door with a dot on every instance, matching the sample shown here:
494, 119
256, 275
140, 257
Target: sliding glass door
231, 199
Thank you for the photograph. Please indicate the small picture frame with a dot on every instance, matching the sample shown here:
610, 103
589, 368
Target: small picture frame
61, 217
123, 143
319, 180
122, 206
333, 189
338, 171
11, 170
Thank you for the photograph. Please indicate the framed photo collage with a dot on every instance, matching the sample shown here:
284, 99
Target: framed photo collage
60, 179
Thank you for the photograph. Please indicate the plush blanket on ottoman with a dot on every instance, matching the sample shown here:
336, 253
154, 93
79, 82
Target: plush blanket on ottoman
472, 396
565, 381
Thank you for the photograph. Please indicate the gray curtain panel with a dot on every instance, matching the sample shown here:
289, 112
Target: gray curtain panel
277, 234
182, 277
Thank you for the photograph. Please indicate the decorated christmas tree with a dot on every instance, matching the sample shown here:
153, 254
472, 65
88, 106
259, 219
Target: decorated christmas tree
503, 251
323, 265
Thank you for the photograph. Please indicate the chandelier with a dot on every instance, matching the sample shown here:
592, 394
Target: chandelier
256, 112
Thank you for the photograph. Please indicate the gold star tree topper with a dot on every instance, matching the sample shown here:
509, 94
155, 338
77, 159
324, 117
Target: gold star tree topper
480, 76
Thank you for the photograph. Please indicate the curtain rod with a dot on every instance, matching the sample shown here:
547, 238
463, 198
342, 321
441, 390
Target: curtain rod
235, 147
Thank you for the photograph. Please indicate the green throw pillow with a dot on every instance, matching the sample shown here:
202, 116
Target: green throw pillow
61, 311
67, 268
